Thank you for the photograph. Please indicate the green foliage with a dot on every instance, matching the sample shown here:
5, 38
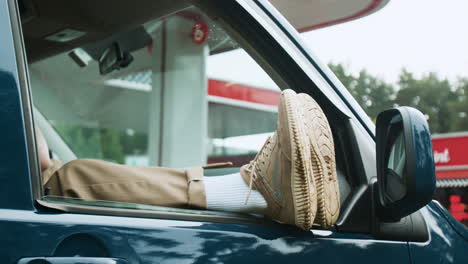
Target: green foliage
84, 141
459, 106
372, 93
112, 148
444, 105
431, 95
101, 143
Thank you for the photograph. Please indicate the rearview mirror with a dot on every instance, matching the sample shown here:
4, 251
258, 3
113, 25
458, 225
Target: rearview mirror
405, 163
113, 58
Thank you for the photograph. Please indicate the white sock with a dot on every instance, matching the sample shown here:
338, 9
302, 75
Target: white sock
228, 193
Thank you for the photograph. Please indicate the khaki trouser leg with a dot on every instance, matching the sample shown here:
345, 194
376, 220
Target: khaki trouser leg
100, 180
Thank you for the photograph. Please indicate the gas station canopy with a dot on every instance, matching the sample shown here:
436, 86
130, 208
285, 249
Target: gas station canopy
307, 15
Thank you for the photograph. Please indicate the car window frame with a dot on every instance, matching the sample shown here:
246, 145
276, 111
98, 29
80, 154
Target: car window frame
26, 98
297, 60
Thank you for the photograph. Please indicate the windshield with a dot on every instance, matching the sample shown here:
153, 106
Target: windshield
173, 92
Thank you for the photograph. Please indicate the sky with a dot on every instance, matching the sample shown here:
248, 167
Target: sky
419, 35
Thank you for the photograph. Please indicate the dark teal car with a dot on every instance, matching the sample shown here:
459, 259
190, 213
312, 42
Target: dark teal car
181, 83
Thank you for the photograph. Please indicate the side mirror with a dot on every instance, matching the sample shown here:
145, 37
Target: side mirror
405, 163
113, 58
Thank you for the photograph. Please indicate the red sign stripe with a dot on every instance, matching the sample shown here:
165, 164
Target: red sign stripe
452, 174
242, 92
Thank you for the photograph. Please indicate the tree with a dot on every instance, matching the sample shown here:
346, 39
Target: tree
373, 94
444, 106
343, 75
85, 142
430, 95
109, 144
459, 106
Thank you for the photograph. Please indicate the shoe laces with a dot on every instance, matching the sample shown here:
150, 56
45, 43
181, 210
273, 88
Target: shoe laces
253, 165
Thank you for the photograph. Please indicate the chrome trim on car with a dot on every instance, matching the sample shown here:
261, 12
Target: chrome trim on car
26, 98
158, 213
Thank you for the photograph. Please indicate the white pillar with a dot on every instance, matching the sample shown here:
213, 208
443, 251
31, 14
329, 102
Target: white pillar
155, 107
179, 79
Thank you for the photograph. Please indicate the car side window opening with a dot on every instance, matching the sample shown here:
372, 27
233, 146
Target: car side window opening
175, 92
178, 81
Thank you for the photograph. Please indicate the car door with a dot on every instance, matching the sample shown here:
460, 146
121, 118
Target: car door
47, 231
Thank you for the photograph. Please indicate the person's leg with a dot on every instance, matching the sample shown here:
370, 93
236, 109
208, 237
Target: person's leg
101, 180
229, 193
282, 170
295, 171
282, 175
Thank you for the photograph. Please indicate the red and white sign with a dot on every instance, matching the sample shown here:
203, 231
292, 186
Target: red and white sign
451, 155
450, 150
199, 32
243, 93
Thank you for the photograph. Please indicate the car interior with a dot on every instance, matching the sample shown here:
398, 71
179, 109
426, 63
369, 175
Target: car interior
65, 41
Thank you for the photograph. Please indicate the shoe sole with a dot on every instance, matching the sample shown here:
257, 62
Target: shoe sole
302, 181
323, 160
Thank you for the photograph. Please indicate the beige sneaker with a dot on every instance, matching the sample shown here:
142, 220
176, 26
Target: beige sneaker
323, 160
282, 169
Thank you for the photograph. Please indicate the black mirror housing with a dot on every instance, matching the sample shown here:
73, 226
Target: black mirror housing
405, 163
113, 58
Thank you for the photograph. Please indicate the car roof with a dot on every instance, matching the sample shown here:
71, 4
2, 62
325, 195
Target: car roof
96, 19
